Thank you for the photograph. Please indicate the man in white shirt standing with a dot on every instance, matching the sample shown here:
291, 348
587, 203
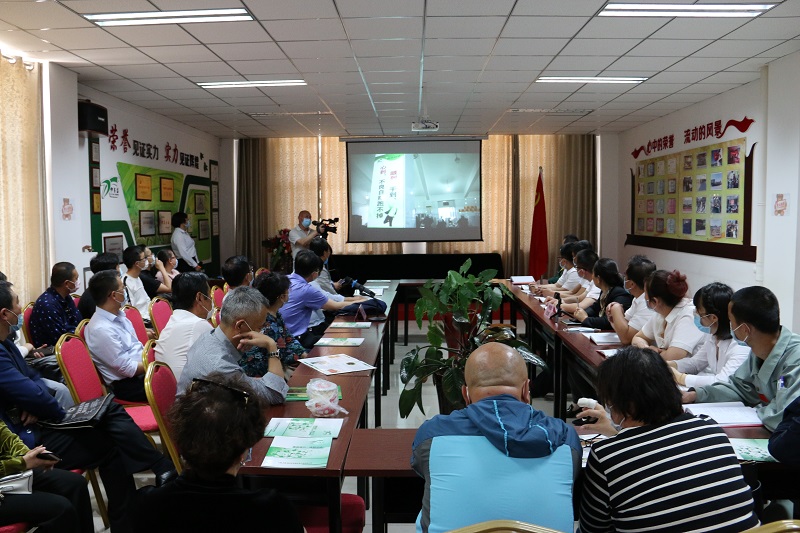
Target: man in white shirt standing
112, 341
301, 235
189, 320
183, 244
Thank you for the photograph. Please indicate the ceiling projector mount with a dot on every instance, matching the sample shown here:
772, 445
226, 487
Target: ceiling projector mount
425, 124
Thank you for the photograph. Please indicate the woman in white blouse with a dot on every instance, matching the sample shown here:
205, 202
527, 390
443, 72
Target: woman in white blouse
719, 355
167, 257
671, 331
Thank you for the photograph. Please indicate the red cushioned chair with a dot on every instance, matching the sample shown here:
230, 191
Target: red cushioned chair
15, 528
160, 312
262, 270
76, 298
217, 294
80, 329
84, 382
215, 317
149, 353
161, 387
135, 317
315, 518
26, 321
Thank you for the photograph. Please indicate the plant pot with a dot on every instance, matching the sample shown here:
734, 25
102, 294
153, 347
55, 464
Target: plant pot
445, 406
454, 336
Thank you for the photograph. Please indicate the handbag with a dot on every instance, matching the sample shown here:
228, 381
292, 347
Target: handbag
84, 415
21, 483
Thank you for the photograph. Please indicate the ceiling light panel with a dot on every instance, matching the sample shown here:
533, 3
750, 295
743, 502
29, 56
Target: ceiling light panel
169, 17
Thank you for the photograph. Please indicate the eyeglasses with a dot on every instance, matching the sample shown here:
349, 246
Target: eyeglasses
244, 395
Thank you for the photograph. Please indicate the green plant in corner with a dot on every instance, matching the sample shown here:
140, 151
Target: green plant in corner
458, 310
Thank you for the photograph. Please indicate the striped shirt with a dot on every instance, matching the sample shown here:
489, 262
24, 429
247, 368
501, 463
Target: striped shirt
680, 476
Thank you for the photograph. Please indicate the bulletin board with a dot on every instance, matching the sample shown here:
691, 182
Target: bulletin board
697, 201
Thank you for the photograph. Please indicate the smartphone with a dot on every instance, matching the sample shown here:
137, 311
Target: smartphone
49, 456
47, 350
584, 420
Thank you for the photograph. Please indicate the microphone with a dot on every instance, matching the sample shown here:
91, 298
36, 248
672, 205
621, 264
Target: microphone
357, 286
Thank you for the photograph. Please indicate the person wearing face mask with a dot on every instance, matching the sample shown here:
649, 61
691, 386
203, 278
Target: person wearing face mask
98, 263
719, 355
607, 278
219, 350
54, 312
301, 235
189, 321
183, 244
255, 362
569, 280
628, 323
769, 379
149, 274
139, 285
110, 337
661, 469
167, 257
671, 331
237, 272
322, 248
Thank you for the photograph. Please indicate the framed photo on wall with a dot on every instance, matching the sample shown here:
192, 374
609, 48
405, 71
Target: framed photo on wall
164, 222
95, 152
96, 203
147, 223
214, 196
96, 177
202, 229
213, 170
114, 244
215, 223
199, 203
144, 187
167, 186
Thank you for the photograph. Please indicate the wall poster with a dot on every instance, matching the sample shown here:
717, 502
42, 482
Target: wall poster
699, 195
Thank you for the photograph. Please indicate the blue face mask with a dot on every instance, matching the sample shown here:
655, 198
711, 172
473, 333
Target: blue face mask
18, 326
306, 222
733, 334
701, 327
325, 262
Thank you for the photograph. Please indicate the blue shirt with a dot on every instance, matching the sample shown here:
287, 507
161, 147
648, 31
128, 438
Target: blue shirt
52, 316
303, 299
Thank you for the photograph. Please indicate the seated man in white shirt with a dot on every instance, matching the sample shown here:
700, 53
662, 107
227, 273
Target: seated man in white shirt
584, 264
189, 320
628, 323
569, 282
116, 351
323, 249
133, 282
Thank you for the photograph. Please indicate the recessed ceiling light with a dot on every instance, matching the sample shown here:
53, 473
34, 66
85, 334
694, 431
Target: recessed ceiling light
589, 79
553, 111
288, 113
169, 17
685, 10
240, 84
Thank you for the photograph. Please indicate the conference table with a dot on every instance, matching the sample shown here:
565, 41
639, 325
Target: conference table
323, 485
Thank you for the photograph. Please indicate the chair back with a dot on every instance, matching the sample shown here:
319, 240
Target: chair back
78, 368
262, 270
160, 311
149, 353
217, 294
135, 317
27, 311
226, 288
161, 387
504, 526
497, 486
76, 298
215, 317
80, 329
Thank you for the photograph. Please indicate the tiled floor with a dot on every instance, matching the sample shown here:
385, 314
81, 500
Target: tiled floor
390, 419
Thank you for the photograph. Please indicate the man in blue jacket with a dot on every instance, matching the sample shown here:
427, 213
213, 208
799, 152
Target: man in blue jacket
499, 458
116, 445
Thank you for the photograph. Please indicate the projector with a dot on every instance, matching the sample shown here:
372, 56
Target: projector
425, 125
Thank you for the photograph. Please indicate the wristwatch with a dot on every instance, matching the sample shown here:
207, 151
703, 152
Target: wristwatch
275, 355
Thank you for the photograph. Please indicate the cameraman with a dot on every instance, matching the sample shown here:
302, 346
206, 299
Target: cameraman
301, 235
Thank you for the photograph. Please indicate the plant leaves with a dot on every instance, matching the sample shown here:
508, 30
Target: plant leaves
409, 398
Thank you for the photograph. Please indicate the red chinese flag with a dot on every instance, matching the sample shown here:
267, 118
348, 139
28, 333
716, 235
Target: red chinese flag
537, 262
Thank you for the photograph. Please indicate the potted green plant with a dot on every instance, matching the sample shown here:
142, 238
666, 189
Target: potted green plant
459, 311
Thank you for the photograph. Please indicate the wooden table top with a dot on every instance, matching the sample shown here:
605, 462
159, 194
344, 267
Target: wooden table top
380, 453
354, 392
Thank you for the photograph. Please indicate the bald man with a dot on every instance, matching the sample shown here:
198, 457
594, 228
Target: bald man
302, 234
498, 458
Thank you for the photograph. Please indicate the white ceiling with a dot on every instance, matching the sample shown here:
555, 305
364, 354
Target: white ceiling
374, 66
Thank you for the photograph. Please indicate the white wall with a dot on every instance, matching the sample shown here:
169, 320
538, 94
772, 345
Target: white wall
771, 102
67, 156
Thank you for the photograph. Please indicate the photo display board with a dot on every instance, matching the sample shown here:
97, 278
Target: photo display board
696, 195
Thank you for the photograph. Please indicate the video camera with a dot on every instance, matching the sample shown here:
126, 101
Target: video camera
326, 225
